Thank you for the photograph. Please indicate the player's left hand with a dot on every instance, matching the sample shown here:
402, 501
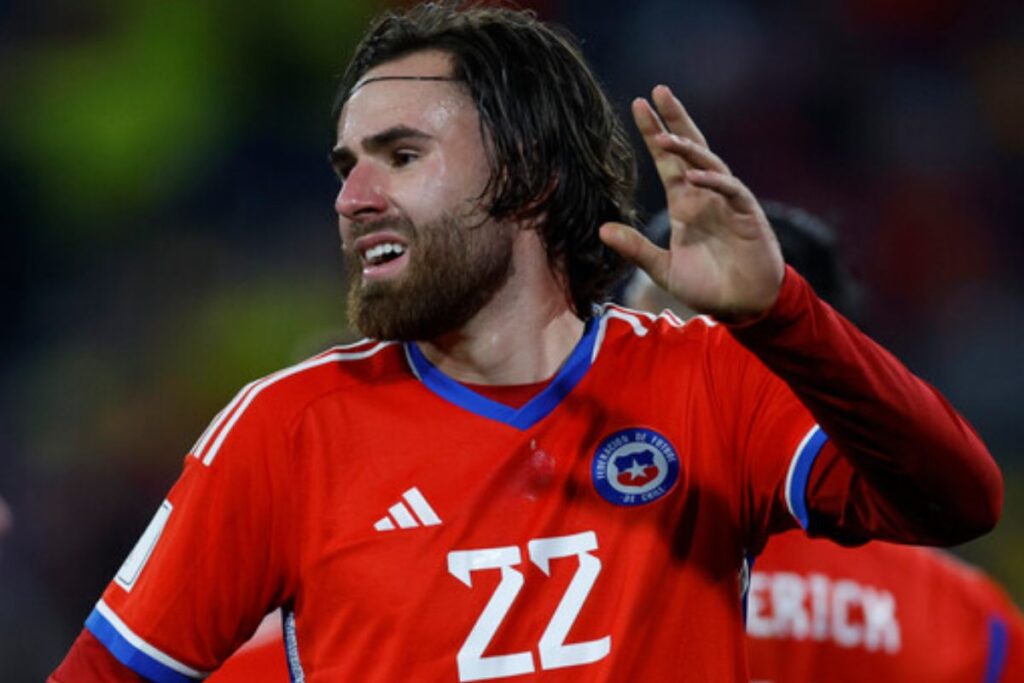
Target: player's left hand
723, 259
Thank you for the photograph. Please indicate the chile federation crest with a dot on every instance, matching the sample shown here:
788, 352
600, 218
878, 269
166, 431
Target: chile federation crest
634, 466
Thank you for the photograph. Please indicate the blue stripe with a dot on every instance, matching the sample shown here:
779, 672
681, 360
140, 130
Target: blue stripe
996, 650
535, 410
802, 472
126, 653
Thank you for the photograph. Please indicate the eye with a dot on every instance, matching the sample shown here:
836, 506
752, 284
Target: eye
403, 157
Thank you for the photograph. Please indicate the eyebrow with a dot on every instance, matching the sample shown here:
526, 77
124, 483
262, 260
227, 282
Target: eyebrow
343, 156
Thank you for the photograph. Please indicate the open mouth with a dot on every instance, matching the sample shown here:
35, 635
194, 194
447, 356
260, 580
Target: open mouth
382, 253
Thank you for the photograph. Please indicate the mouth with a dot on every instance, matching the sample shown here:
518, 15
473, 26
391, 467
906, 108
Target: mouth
381, 255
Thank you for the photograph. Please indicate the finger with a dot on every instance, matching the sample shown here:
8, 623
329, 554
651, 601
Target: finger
670, 166
696, 155
637, 249
674, 114
735, 192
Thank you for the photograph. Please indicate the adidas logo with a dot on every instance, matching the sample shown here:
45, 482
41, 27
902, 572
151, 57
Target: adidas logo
421, 515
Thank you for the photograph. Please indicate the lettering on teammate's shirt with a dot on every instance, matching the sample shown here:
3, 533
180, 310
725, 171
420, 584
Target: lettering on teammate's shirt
816, 607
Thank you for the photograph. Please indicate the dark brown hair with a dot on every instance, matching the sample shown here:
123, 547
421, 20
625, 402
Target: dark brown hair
557, 149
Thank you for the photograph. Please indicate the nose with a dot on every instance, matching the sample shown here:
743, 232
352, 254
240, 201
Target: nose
362, 194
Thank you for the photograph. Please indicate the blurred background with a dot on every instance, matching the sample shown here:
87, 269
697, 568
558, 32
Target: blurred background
168, 234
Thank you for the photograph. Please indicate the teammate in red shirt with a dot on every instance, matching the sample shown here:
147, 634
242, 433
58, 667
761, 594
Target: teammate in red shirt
515, 485
818, 612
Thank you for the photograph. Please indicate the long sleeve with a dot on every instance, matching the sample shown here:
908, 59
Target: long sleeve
900, 463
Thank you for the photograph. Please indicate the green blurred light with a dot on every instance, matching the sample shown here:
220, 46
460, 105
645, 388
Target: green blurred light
113, 123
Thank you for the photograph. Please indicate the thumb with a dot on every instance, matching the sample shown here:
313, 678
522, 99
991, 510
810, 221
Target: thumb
631, 245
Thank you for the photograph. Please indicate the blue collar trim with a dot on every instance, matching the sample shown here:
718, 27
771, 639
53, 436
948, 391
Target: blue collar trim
535, 410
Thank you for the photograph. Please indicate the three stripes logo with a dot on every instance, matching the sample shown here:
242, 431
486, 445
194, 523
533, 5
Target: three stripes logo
417, 513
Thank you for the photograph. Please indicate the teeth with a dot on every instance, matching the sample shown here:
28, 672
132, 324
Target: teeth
380, 252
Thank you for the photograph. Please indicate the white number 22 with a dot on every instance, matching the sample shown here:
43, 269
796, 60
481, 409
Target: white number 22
554, 652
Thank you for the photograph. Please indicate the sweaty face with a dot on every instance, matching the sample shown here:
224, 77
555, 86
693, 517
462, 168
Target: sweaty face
422, 255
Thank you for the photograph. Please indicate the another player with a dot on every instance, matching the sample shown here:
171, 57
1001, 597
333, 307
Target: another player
822, 613
512, 484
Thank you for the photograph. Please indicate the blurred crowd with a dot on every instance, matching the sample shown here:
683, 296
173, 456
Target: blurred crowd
168, 232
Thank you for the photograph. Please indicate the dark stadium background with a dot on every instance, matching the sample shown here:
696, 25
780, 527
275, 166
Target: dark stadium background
168, 233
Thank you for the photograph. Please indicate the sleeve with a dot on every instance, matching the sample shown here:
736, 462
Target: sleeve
773, 441
216, 557
889, 457
88, 661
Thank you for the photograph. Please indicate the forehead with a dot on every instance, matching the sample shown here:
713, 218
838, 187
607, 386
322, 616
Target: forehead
401, 92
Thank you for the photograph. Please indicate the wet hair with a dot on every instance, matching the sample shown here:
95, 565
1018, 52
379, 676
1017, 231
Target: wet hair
558, 152
808, 243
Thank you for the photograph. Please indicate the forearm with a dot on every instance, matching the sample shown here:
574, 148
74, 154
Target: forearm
913, 456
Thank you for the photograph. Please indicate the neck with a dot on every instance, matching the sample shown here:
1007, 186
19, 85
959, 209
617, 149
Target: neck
523, 335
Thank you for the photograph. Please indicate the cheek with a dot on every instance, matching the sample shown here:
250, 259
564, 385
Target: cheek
444, 185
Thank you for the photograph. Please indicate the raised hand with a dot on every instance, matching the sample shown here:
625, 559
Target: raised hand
723, 258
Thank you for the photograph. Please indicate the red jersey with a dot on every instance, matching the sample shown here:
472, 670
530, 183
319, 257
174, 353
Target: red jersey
821, 613
410, 528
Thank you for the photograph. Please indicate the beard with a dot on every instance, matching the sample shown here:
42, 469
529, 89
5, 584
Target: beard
455, 268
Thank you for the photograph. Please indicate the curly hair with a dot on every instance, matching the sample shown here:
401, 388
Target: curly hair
557, 150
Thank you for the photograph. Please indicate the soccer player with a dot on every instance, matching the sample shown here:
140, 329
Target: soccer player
821, 613
505, 482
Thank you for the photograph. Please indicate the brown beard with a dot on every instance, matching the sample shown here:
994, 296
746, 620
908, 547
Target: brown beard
455, 267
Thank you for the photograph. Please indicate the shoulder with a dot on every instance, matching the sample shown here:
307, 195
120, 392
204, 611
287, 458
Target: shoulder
336, 369
276, 400
629, 328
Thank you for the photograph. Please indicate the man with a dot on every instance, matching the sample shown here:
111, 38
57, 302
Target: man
821, 613
514, 485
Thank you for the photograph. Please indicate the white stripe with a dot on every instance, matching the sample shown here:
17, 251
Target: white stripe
277, 376
219, 419
639, 329
792, 470
403, 516
349, 347
602, 326
421, 507
384, 524
412, 366
229, 409
205, 436
671, 318
142, 646
706, 319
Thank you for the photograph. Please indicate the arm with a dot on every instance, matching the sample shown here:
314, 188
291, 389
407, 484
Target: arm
88, 661
216, 557
900, 463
